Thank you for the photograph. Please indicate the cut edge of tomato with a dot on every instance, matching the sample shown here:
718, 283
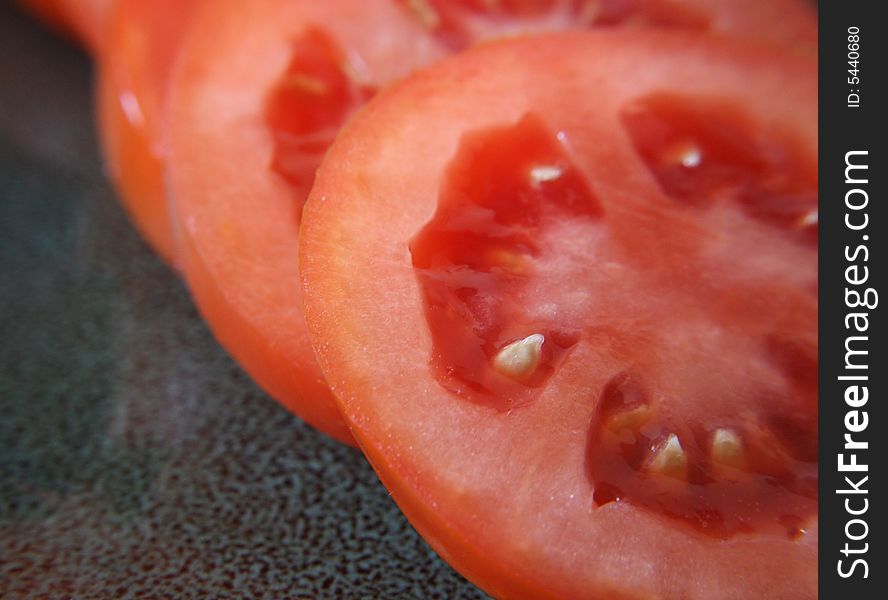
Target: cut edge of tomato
277, 373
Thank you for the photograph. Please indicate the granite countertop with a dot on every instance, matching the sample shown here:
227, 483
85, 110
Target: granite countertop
136, 458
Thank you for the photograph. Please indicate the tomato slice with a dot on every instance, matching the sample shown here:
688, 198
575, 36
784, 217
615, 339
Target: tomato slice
262, 90
142, 41
564, 290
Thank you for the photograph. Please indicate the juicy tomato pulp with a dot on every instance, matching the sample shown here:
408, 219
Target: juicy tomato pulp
275, 80
475, 255
142, 42
481, 252
315, 96
577, 335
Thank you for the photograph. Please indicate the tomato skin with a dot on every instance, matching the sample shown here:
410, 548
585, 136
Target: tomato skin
462, 473
142, 42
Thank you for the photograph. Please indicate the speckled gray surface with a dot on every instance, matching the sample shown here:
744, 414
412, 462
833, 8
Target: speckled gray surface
136, 459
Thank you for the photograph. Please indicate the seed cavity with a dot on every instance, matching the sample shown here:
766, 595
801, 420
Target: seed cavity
308, 104
670, 459
544, 173
727, 448
702, 155
521, 358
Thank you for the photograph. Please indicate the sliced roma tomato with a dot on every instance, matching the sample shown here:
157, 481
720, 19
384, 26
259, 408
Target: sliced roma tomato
262, 89
142, 40
564, 290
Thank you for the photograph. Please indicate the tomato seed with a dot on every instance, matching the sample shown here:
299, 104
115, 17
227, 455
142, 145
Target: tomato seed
544, 173
670, 459
727, 448
520, 359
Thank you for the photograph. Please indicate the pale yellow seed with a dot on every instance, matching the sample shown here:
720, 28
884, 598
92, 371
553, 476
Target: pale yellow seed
727, 448
670, 459
520, 359
629, 419
544, 173
510, 262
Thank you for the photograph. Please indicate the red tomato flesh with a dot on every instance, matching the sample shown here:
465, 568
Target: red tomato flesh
571, 315
262, 90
